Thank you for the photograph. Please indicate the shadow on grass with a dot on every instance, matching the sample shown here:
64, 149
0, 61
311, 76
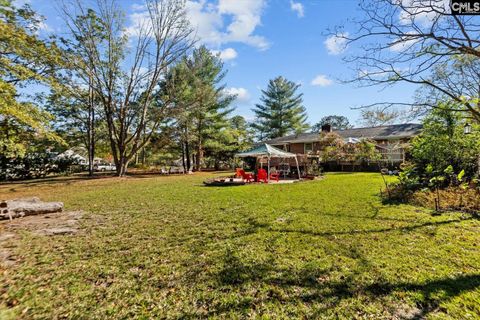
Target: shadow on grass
367, 231
312, 284
68, 180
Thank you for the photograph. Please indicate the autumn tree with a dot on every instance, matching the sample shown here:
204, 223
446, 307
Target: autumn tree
25, 59
124, 69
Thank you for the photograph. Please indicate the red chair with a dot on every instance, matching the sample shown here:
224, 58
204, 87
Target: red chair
262, 175
238, 172
248, 177
274, 176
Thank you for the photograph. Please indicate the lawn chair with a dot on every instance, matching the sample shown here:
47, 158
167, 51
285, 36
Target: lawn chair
248, 177
274, 175
238, 172
262, 175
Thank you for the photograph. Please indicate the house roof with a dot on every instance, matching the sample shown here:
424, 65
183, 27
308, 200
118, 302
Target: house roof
390, 132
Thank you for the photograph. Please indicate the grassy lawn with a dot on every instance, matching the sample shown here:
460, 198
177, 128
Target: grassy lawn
167, 247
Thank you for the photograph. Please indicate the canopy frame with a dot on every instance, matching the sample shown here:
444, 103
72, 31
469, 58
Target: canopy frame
268, 151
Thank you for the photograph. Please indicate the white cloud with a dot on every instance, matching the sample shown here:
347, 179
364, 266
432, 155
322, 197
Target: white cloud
206, 21
139, 22
217, 23
245, 18
298, 8
242, 94
336, 44
226, 54
322, 81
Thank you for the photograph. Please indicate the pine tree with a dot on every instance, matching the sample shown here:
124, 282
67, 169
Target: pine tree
281, 111
202, 106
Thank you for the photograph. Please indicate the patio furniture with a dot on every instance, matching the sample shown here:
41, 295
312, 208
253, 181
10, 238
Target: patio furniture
274, 175
262, 175
265, 150
284, 169
248, 177
238, 172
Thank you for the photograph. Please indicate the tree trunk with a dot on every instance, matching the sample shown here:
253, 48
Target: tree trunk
122, 166
199, 156
183, 157
91, 130
188, 156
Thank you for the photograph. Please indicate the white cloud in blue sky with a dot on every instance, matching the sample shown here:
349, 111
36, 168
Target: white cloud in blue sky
336, 44
240, 31
298, 8
215, 23
243, 96
322, 81
228, 21
226, 54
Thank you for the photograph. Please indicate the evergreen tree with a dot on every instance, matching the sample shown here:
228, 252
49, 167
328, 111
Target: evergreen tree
195, 88
211, 106
281, 111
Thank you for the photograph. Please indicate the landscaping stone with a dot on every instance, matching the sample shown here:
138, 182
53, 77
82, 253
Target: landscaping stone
27, 206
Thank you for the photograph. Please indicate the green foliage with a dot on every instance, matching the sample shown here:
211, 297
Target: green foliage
33, 165
443, 149
26, 59
443, 156
337, 123
373, 117
334, 148
204, 128
281, 111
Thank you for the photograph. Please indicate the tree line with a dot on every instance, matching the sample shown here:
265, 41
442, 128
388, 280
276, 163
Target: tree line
152, 94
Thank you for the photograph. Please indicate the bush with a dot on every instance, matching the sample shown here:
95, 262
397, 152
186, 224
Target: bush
33, 165
443, 150
444, 165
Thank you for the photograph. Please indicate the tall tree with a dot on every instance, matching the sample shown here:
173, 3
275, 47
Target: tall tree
74, 101
281, 111
177, 88
125, 68
212, 103
25, 59
404, 41
203, 106
337, 123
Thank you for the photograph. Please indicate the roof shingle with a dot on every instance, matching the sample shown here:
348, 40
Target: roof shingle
389, 132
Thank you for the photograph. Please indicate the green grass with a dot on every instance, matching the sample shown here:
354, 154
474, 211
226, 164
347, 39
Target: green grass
167, 247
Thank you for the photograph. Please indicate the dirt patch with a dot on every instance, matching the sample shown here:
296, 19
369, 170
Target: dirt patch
51, 224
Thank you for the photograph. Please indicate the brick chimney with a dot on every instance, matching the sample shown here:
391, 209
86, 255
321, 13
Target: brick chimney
326, 128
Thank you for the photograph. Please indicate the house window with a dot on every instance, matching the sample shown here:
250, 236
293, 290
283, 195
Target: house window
308, 147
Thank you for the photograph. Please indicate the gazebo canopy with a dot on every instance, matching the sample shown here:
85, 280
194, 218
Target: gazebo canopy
266, 150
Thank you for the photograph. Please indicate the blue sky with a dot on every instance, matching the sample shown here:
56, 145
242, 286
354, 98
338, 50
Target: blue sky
261, 39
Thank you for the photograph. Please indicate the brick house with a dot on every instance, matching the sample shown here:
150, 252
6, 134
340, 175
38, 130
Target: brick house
390, 141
